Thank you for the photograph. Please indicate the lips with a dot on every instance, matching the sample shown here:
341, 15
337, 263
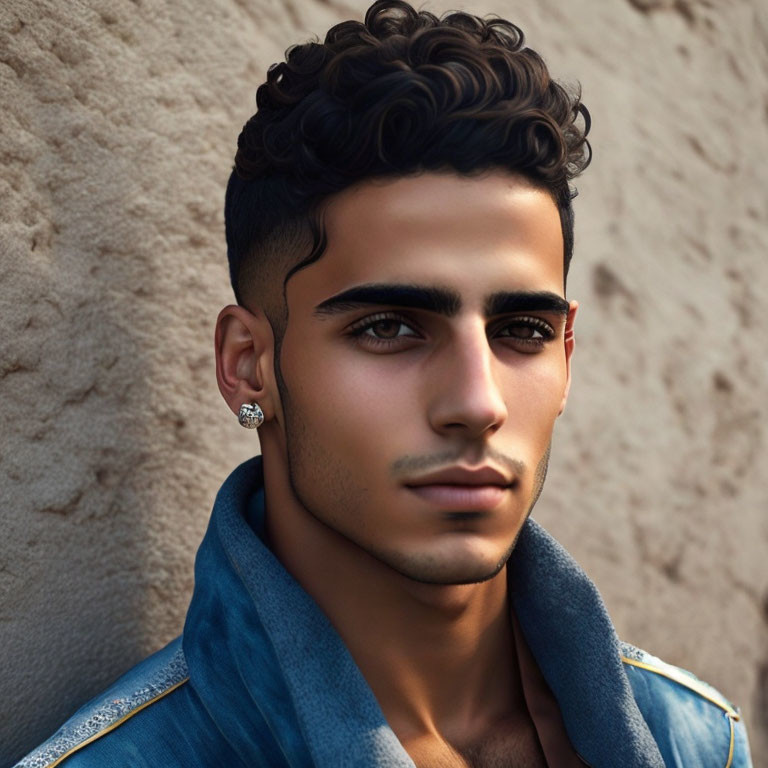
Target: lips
460, 488
462, 476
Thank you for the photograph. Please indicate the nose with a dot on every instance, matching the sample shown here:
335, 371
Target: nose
467, 399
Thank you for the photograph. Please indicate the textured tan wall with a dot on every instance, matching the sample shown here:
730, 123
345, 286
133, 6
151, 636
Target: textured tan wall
117, 130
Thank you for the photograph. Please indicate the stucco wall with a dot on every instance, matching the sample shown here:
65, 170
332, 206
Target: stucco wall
117, 131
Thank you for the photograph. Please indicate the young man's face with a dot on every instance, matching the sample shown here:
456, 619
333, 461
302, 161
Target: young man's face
424, 365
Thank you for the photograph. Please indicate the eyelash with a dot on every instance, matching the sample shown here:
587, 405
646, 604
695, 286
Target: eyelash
547, 331
359, 330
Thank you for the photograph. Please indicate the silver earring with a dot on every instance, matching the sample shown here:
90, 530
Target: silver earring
250, 415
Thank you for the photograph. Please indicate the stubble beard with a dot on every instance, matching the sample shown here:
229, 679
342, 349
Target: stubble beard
304, 459
340, 504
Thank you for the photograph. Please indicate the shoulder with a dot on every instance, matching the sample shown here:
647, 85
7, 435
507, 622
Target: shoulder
147, 683
635, 657
692, 722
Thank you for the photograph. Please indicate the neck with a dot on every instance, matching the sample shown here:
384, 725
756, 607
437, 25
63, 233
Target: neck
439, 658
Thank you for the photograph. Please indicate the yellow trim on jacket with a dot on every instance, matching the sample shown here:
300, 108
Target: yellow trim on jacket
114, 725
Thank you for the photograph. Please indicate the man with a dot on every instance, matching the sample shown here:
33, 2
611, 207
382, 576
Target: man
371, 591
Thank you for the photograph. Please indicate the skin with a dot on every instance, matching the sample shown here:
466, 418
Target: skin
374, 398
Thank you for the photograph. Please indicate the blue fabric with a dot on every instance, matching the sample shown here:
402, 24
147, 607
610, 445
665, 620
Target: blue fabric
299, 681
261, 679
560, 609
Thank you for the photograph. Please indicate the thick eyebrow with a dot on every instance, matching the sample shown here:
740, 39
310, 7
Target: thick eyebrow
439, 300
507, 302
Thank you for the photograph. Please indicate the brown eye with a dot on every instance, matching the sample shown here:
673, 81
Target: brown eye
523, 331
386, 329
385, 333
526, 334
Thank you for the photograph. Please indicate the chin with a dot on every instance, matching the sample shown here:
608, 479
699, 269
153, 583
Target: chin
446, 569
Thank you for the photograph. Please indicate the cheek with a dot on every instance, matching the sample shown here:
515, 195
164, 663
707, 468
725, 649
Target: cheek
533, 395
347, 402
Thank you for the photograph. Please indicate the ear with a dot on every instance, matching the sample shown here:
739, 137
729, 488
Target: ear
244, 348
569, 342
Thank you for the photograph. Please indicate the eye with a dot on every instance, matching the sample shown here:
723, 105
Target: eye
389, 328
384, 331
527, 334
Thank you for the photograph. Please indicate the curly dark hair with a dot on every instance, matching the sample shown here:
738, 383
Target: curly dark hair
401, 93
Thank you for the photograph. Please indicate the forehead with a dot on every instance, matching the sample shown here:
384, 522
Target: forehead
475, 235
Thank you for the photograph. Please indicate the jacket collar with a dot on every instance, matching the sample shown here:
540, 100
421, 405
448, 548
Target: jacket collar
570, 634
281, 686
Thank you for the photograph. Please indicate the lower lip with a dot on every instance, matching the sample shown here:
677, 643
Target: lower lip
461, 497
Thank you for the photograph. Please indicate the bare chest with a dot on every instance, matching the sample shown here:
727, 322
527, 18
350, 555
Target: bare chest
511, 745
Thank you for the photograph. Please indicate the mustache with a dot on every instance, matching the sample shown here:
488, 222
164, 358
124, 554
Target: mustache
411, 464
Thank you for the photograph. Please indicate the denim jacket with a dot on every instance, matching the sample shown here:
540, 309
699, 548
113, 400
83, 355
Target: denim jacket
260, 678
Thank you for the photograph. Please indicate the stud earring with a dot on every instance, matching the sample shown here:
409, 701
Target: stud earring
250, 415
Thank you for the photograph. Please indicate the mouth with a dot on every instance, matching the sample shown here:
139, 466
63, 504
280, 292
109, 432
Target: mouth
463, 489
461, 497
